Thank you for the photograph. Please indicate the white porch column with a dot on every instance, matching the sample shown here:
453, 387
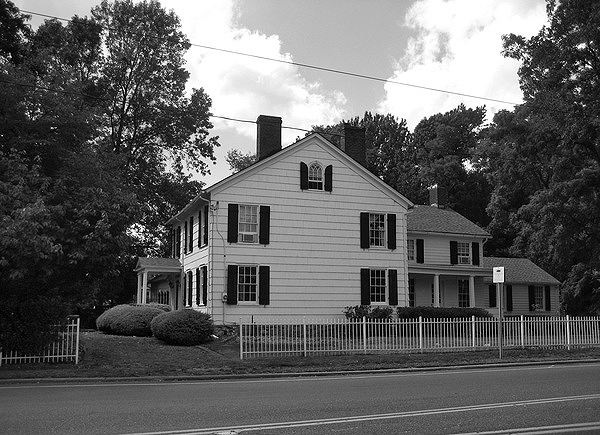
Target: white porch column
471, 291
138, 298
144, 286
436, 291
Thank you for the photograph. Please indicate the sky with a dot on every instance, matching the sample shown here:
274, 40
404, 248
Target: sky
450, 45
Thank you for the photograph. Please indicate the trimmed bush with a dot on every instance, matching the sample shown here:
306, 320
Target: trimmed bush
163, 307
131, 320
183, 328
440, 313
357, 312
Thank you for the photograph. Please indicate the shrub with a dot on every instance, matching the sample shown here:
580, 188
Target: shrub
163, 307
183, 328
128, 320
440, 312
357, 312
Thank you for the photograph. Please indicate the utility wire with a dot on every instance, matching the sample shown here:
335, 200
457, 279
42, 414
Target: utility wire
325, 69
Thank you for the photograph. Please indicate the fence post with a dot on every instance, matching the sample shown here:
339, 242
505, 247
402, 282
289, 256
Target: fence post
568, 332
364, 334
473, 331
76, 343
304, 335
241, 341
522, 331
421, 333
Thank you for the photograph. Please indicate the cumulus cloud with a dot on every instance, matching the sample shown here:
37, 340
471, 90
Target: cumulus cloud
457, 46
244, 87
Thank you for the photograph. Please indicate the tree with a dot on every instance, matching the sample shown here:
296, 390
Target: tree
13, 31
238, 160
554, 138
445, 144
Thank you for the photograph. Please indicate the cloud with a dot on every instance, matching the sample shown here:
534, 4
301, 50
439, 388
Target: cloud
457, 46
244, 87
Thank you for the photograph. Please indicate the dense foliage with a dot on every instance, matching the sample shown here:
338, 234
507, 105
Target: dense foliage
133, 320
440, 313
183, 327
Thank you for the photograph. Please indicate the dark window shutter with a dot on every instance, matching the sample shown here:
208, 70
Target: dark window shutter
391, 221
393, 286
192, 233
420, 251
492, 295
547, 301
184, 289
453, 252
204, 285
265, 224
185, 238
190, 287
303, 176
364, 230
172, 242
264, 280
329, 178
205, 234
509, 298
198, 294
531, 297
232, 284
475, 250
200, 234
178, 243
365, 286
232, 223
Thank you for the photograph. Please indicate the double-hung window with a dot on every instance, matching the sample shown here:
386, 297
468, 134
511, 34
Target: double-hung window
463, 293
464, 253
538, 292
247, 284
315, 176
376, 229
410, 245
378, 286
248, 224
411, 292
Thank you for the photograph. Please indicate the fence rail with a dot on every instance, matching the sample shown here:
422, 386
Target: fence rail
64, 349
339, 336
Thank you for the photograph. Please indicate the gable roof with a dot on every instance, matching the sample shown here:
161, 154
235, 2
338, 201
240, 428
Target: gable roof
342, 156
520, 270
428, 219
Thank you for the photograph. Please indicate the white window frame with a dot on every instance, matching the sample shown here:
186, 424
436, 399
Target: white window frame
315, 176
410, 249
247, 284
248, 223
464, 300
378, 286
412, 300
539, 297
377, 230
463, 250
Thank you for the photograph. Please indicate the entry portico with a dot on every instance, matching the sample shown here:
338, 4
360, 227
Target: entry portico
166, 271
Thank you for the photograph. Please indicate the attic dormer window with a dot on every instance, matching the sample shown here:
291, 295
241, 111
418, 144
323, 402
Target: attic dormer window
315, 176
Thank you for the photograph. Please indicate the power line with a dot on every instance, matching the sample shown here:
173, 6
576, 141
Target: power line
325, 69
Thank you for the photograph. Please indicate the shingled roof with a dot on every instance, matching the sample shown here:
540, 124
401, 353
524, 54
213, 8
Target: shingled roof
520, 270
428, 219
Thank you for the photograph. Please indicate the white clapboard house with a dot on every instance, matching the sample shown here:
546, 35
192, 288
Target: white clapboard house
308, 231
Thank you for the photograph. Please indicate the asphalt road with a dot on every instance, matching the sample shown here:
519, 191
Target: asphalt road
540, 399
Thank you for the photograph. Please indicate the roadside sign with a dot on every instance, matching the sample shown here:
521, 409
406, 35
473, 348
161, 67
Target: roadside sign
498, 275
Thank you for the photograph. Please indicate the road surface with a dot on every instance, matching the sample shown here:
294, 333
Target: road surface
538, 399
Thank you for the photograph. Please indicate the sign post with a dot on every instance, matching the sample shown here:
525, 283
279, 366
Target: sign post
498, 278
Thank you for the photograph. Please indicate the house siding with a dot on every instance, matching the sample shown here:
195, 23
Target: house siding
314, 252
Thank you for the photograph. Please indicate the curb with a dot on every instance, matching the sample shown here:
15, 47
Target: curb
307, 374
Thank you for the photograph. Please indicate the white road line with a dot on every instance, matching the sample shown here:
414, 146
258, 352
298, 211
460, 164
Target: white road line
541, 430
300, 378
371, 417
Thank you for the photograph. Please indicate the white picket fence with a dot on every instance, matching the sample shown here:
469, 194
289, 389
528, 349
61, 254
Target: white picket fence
65, 349
340, 336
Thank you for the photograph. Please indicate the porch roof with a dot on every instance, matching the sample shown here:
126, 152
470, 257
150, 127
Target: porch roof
520, 270
158, 264
428, 219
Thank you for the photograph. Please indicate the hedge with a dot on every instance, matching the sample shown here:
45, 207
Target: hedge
440, 312
183, 327
133, 320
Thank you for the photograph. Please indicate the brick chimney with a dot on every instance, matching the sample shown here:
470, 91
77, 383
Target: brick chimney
353, 143
268, 136
438, 196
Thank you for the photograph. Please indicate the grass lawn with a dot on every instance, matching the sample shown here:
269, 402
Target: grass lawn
118, 356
